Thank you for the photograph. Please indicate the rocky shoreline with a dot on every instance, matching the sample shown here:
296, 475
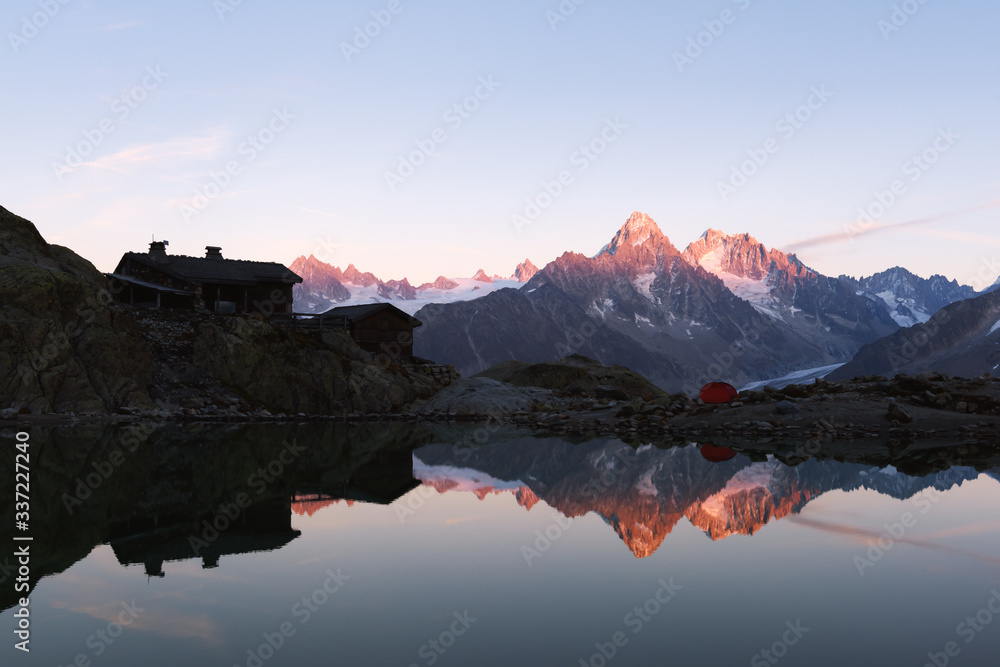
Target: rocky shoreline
929, 407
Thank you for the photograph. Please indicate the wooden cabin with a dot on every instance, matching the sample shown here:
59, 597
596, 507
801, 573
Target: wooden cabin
376, 327
219, 285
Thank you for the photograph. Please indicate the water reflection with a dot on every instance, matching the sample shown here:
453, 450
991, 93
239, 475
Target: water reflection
180, 492
643, 493
218, 532
206, 492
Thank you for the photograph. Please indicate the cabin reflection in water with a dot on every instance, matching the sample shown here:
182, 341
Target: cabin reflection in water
262, 526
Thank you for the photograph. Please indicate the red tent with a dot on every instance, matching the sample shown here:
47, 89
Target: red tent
718, 392
717, 454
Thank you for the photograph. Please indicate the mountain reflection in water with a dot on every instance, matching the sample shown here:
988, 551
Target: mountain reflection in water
642, 493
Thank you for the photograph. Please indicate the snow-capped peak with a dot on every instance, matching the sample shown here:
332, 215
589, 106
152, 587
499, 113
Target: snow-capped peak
482, 277
525, 271
638, 230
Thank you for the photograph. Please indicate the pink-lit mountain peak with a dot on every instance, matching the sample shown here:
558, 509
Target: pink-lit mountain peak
525, 271
639, 235
482, 277
743, 256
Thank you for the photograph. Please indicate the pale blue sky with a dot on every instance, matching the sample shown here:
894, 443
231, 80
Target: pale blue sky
320, 185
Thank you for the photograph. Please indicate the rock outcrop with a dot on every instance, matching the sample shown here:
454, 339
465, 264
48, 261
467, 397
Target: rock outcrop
64, 347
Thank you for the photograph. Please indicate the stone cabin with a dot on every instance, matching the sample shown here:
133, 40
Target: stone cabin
156, 279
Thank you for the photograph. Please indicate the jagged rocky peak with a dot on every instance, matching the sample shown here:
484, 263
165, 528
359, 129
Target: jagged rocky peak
910, 298
638, 230
525, 271
639, 235
308, 265
441, 283
397, 289
482, 277
356, 277
322, 283
741, 255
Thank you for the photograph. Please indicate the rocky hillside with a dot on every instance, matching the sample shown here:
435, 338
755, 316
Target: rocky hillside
63, 348
67, 348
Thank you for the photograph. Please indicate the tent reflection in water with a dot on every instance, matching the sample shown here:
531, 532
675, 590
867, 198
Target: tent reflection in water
717, 453
715, 393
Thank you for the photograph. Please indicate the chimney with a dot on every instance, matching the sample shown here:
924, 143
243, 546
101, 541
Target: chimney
158, 251
213, 252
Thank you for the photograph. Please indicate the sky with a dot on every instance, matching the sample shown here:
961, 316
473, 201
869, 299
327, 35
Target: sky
420, 138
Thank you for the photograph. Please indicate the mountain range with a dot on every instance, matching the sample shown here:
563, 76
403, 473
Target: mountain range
642, 494
325, 286
725, 308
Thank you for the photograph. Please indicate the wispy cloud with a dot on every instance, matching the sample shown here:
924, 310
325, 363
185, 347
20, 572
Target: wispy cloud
205, 147
867, 537
851, 231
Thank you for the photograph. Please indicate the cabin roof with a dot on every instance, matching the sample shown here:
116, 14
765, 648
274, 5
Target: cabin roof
148, 285
205, 270
363, 311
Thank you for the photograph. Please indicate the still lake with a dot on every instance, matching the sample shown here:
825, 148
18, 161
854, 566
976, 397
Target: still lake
390, 544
